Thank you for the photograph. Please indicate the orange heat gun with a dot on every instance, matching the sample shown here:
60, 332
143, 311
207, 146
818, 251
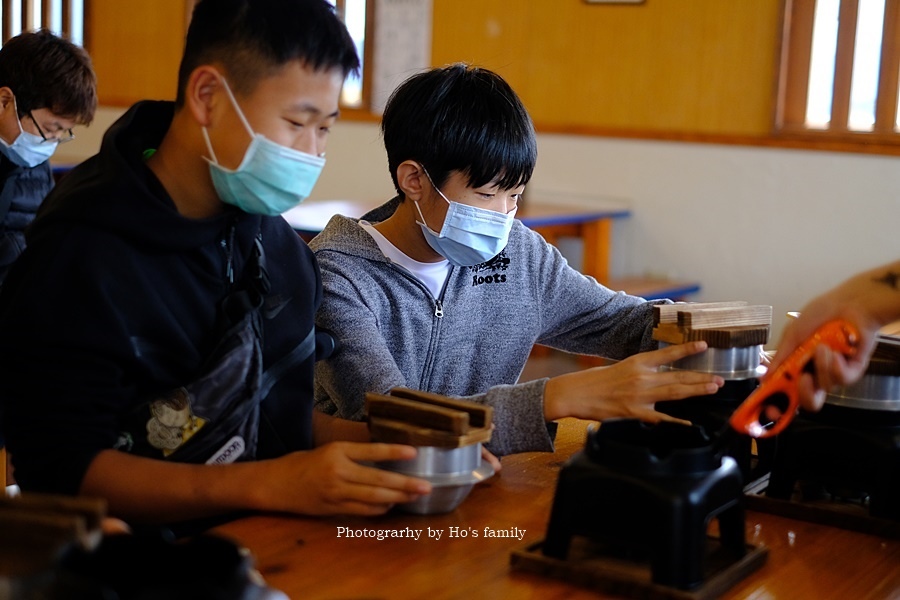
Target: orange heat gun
777, 393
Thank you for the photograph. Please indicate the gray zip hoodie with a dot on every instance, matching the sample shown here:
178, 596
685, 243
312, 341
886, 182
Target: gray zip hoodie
473, 340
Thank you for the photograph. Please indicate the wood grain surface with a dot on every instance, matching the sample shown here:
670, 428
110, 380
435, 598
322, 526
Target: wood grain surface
312, 558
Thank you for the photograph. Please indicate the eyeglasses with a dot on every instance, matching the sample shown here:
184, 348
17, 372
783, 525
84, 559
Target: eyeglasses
61, 137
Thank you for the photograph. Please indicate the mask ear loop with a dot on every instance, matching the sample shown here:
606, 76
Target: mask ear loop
209, 147
422, 222
18, 120
416, 202
436, 188
240, 115
237, 107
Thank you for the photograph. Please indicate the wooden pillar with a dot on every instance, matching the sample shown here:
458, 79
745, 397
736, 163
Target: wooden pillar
7, 20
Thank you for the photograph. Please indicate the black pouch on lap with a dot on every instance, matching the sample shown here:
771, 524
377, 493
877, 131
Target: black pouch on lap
215, 419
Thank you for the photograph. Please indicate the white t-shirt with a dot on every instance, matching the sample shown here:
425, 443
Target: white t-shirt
433, 274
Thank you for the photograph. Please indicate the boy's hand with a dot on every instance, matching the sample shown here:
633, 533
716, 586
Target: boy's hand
330, 480
629, 388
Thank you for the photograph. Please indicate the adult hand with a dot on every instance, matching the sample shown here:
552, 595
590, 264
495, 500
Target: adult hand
869, 301
831, 368
330, 480
629, 388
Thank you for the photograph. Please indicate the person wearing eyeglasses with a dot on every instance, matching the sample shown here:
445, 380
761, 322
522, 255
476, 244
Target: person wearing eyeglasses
47, 87
441, 289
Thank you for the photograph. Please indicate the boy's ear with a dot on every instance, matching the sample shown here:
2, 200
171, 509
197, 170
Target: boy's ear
411, 180
200, 98
6, 99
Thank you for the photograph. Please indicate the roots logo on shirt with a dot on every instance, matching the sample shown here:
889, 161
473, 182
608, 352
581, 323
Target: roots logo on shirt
491, 271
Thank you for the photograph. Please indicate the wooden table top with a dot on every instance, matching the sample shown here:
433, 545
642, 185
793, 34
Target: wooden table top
313, 558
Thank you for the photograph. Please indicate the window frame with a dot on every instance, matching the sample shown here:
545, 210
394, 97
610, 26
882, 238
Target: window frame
364, 111
27, 10
793, 80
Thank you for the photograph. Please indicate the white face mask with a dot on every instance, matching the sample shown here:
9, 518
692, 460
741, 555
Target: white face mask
470, 235
271, 178
27, 150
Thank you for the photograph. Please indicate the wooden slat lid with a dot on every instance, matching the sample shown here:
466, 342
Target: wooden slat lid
424, 419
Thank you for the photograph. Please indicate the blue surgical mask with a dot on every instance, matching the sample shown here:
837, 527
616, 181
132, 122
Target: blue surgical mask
271, 178
470, 235
28, 150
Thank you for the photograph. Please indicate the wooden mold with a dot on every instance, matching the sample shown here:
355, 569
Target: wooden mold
668, 313
719, 324
37, 528
726, 316
424, 419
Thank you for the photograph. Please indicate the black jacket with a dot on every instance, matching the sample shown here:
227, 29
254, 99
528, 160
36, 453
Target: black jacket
22, 190
116, 299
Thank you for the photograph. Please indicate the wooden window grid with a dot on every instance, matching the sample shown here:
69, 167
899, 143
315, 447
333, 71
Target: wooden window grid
27, 11
362, 111
794, 76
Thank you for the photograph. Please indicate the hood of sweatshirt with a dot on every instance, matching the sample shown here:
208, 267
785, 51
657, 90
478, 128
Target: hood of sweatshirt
136, 206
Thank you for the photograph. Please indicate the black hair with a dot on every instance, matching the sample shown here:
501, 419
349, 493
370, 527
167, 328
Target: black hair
254, 38
460, 118
47, 71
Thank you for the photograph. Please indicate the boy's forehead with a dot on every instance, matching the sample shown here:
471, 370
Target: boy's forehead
461, 177
300, 88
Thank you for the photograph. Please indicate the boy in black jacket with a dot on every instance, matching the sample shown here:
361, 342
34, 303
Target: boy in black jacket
156, 338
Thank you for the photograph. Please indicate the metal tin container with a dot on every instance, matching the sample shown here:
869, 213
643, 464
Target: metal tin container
452, 473
729, 363
878, 389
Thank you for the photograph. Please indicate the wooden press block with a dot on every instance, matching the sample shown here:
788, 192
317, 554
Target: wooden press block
91, 510
669, 333
479, 414
35, 529
417, 414
425, 419
398, 432
732, 316
730, 337
668, 313
722, 337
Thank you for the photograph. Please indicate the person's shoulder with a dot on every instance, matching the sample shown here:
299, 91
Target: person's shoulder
277, 232
525, 240
345, 252
337, 234
87, 246
344, 241
292, 257
345, 234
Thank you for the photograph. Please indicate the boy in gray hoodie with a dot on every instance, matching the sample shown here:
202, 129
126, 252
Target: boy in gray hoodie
441, 289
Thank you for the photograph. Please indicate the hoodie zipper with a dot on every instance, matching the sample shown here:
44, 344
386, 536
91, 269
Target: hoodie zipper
438, 313
438, 305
